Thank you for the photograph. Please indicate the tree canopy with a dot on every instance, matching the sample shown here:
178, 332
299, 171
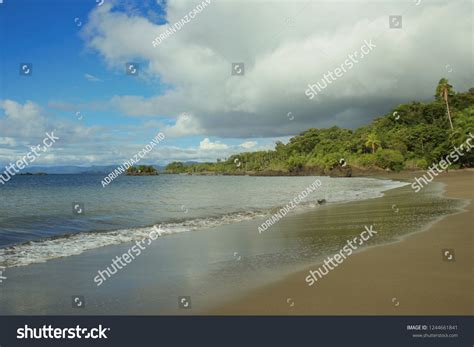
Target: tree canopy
142, 170
411, 136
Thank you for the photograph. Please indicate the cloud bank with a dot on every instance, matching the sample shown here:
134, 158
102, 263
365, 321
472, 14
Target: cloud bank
285, 46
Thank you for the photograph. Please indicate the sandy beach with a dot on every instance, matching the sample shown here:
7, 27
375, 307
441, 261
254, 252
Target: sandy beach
232, 269
409, 277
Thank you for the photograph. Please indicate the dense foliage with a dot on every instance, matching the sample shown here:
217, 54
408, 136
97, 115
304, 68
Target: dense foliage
142, 170
412, 136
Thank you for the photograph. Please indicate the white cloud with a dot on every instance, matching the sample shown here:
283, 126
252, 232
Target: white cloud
25, 125
186, 125
21, 121
198, 96
207, 144
8, 141
248, 144
281, 59
92, 78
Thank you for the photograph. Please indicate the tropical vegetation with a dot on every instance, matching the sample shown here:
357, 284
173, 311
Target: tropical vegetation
411, 136
142, 170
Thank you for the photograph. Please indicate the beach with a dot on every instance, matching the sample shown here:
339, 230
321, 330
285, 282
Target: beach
229, 268
409, 277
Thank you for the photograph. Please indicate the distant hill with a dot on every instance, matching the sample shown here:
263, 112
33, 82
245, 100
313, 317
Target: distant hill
71, 170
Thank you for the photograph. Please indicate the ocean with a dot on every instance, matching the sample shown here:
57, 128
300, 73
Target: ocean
53, 216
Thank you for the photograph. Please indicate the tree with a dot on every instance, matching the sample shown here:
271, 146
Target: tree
175, 167
413, 140
390, 159
372, 141
443, 91
142, 170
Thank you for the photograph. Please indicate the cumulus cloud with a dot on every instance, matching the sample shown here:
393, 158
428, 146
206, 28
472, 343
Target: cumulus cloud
186, 125
8, 141
207, 144
284, 49
21, 121
23, 125
285, 45
248, 144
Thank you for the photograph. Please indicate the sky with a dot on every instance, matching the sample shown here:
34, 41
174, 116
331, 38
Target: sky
76, 54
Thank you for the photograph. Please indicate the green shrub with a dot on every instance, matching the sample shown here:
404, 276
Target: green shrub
367, 160
332, 160
389, 159
296, 163
421, 164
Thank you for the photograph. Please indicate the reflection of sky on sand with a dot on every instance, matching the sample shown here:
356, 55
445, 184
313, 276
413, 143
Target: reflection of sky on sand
203, 264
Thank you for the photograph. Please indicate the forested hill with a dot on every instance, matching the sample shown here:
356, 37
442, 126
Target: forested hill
411, 136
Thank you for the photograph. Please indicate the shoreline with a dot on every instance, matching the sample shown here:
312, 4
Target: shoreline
218, 265
214, 221
405, 277
342, 171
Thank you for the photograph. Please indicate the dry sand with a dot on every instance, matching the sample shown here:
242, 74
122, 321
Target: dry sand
404, 278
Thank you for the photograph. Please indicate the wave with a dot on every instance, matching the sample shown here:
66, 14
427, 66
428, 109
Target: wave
42, 250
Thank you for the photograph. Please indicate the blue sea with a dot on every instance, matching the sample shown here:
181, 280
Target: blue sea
39, 217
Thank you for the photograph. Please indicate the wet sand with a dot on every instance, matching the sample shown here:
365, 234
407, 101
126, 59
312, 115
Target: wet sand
232, 269
409, 277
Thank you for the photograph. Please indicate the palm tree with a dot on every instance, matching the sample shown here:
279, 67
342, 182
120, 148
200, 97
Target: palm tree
372, 141
443, 91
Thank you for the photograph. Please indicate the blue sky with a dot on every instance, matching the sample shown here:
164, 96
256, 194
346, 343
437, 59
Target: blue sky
185, 87
49, 39
71, 83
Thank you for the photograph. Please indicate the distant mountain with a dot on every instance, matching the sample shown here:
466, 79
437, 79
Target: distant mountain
86, 170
